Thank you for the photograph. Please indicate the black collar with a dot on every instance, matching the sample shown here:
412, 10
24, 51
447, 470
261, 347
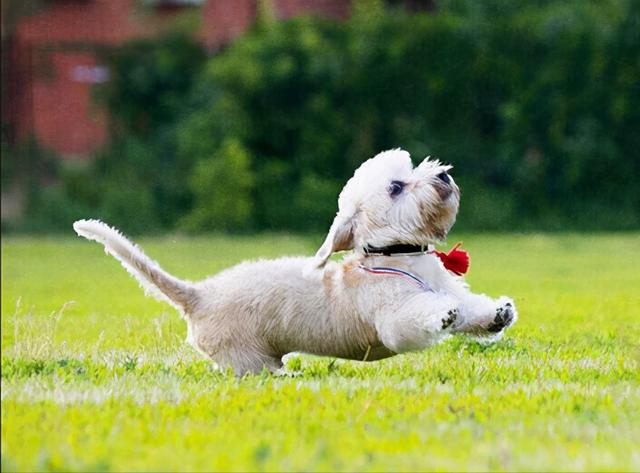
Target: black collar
400, 248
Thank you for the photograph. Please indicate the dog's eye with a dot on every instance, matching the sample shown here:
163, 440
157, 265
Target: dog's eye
444, 177
395, 188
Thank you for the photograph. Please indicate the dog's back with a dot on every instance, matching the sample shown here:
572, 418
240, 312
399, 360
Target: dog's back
272, 304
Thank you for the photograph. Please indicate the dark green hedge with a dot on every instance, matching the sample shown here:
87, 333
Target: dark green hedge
536, 104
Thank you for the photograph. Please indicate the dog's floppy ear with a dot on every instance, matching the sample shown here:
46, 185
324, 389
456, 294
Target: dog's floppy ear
340, 238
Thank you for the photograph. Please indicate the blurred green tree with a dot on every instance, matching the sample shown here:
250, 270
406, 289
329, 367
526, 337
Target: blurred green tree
222, 187
531, 101
152, 80
535, 102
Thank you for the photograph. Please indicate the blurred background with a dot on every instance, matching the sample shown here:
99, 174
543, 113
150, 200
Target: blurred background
250, 115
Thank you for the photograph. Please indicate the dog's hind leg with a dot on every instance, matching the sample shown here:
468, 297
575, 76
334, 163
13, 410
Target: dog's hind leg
244, 362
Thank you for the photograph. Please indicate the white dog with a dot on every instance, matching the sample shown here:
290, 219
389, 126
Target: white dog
373, 304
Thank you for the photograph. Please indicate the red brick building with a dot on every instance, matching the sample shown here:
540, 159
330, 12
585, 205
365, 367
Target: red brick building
50, 56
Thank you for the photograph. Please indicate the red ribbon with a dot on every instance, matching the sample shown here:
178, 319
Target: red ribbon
456, 261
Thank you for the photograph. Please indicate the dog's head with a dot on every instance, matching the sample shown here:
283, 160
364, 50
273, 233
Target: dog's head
388, 201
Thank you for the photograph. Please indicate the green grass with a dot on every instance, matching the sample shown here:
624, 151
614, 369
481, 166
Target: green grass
106, 383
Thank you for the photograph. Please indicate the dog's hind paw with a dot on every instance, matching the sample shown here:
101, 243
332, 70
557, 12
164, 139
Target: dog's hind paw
506, 315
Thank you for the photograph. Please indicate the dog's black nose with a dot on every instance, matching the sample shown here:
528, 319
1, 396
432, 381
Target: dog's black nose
444, 177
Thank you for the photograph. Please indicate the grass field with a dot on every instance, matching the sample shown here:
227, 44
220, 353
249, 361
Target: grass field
106, 382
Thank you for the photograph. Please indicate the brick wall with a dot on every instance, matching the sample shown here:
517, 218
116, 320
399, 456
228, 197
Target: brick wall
52, 61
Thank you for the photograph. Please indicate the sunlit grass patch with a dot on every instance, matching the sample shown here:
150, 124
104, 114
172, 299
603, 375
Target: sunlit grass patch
107, 383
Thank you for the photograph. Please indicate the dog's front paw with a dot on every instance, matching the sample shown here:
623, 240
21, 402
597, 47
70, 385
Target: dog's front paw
506, 315
449, 319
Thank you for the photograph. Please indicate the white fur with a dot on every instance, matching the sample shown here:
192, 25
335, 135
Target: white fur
251, 315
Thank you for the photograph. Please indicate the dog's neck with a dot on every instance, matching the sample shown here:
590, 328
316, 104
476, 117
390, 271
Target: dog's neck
400, 249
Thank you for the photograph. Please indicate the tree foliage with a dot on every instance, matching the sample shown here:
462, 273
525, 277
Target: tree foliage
221, 186
535, 103
143, 181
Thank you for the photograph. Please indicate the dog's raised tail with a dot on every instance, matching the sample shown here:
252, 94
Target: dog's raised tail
153, 279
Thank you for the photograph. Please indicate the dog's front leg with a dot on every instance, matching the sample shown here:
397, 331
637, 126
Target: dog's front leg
417, 322
484, 317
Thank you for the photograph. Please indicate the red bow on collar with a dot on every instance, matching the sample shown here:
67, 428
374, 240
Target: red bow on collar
456, 261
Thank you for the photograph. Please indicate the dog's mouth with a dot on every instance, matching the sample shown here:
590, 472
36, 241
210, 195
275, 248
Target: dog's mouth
436, 223
444, 192
449, 194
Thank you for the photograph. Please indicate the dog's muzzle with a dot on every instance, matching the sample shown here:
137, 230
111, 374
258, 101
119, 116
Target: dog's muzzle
444, 186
